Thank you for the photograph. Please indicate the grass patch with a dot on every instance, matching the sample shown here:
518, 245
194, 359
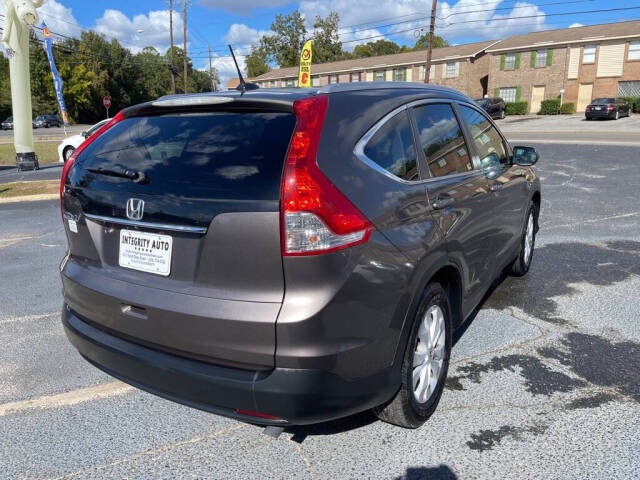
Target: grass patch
47, 152
23, 189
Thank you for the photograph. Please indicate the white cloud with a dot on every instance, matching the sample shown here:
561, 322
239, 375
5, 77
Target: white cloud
241, 7
141, 31
226, 68
58, 18
577, 24
410, 16
243, 35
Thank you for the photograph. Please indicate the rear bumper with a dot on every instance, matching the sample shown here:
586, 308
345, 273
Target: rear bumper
601, 114
295, 396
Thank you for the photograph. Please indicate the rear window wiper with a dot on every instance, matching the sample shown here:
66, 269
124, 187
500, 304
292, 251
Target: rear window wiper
136, 176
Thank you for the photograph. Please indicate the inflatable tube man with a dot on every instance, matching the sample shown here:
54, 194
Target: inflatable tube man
20, 15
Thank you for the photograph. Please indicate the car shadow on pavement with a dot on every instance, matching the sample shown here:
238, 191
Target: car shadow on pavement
556, 268
442, 472
341, 425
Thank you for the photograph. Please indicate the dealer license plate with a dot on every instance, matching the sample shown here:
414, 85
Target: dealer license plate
147, 252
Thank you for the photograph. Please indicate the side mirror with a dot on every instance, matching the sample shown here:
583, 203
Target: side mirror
85, 134
525, 156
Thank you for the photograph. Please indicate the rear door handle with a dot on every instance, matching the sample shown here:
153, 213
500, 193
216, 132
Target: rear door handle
442, 202
495, 187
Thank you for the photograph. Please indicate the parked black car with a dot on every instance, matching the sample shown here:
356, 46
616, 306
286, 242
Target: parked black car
8, 124
612, 108
493, 106
357, 224
46, 121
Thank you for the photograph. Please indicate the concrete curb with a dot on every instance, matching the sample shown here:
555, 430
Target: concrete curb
30, 198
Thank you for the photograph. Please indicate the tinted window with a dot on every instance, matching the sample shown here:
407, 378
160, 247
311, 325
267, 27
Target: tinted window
392, 148
212, 155
486, 139
440, 137
604, 100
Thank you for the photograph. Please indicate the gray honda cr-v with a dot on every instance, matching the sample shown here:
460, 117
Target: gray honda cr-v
291, 256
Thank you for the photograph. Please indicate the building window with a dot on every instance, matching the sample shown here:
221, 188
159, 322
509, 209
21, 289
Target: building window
333, 78
378, 76
355, 77
510, 61
272, 83
315, 81
399, 75
508, 94
541, 58
634, 50
452, 69
589, 55
289, 82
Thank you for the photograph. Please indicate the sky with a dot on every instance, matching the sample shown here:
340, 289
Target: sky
140, 23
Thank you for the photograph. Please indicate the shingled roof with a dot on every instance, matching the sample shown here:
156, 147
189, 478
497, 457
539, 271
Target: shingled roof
565, 36
367, 63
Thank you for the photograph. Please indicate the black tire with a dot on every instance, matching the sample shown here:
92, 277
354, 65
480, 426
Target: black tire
66, 153
521, 265
502, 114
404, 409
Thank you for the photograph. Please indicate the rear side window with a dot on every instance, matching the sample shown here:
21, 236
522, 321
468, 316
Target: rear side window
204, 155
487, 140
441, 139
392, 148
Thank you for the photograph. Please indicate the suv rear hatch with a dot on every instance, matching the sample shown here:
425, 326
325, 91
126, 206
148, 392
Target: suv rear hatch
172, 217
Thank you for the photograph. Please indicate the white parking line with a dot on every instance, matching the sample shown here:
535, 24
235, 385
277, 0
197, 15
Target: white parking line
66, 399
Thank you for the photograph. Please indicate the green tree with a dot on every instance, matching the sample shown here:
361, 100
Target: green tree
377, 48
423, 42
257, 62
326, 43
287, 37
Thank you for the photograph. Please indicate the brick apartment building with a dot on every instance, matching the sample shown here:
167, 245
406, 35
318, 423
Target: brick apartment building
587, 62
463, 67
584, 62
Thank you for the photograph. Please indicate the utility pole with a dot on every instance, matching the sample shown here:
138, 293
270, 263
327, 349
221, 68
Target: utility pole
213, 83
432, 26
172, 67
184, 34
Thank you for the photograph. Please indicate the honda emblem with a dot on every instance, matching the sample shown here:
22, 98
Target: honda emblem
135, 209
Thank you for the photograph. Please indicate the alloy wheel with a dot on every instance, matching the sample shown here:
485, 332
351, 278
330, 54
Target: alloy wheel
528, 240
428, 356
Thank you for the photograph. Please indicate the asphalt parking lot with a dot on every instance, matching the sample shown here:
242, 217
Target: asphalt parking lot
544, 382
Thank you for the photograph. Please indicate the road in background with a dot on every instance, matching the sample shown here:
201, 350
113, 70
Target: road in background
544, 381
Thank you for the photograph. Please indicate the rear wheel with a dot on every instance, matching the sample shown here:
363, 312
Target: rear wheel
66, 153
617, 115
521, 264
502, 114
425, 363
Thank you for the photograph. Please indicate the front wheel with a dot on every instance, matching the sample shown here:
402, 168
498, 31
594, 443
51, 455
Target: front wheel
425, 363
522, 263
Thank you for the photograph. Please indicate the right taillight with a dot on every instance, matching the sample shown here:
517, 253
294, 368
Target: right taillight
69, 163
315, 216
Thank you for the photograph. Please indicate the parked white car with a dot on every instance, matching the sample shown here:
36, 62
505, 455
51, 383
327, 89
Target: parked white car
69, 144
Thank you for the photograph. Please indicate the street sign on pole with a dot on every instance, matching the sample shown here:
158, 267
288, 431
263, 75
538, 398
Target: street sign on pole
106, 101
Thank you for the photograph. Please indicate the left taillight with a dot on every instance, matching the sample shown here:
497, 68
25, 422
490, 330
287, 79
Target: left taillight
69, 163
316, 217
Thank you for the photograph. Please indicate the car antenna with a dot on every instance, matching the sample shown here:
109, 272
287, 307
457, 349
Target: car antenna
243, 85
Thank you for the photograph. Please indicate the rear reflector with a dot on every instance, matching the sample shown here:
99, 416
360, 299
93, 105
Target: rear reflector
69, 163
315, 216
257, 415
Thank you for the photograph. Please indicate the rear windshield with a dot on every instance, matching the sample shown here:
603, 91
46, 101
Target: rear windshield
204, 155
604, 100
